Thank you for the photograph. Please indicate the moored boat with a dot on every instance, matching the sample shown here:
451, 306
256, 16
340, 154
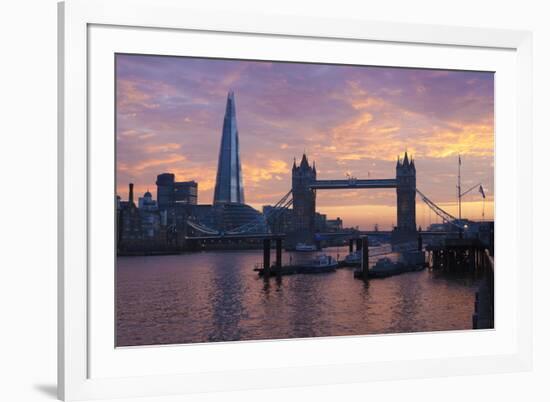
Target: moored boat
321, 263
305, 247
353, 258
385, 267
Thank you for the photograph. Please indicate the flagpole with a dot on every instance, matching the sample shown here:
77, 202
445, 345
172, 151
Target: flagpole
459, 192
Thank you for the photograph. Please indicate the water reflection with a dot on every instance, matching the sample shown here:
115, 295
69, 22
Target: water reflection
215, 296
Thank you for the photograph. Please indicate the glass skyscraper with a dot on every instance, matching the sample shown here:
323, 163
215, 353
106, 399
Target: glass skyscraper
229, 181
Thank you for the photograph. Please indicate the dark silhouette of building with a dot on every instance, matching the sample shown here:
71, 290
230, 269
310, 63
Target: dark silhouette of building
150, 217
405, 173
335, 225
129, 225
278, 219
230, 216
303, 204
229, 181
320, 222
171, 192
147, 203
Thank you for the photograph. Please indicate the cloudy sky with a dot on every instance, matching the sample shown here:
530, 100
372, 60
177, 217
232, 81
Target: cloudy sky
348, 119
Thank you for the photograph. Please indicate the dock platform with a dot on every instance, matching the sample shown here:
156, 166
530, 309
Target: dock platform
295, 269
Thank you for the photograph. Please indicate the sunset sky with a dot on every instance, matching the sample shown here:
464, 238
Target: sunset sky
348, 119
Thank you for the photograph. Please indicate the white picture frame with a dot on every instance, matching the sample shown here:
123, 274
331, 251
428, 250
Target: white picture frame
80, 328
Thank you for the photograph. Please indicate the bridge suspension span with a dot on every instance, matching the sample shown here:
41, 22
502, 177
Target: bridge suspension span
253, 226
444, 215
281, 205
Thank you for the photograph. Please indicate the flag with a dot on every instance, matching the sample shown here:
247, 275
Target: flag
481, 191
459, 160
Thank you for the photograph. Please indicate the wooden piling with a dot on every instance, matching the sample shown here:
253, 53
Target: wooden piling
267, 258
350, 246
365, 257
278, 254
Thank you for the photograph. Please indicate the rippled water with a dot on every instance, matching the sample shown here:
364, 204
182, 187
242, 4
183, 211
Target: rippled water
216, 296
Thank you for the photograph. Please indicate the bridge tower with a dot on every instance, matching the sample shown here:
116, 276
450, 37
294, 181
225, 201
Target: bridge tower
405, 173
303, 200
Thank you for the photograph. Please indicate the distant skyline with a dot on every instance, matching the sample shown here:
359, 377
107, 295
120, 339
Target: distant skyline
348, 119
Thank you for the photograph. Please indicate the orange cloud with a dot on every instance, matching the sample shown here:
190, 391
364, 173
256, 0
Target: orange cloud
472, 139
162, 148
128, 95
256, 174
167, 161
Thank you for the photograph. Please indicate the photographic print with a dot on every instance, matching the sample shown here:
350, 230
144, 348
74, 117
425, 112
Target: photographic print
261, 200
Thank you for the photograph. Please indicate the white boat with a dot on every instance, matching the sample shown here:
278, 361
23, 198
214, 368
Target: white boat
321, 263
305, 247
385, 267
354, 258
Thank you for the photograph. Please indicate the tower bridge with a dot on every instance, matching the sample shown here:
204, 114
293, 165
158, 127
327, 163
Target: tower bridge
305, 186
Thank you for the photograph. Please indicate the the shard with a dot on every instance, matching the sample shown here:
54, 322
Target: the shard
229, 181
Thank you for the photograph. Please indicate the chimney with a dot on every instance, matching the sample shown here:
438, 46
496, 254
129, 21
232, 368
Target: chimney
131, 194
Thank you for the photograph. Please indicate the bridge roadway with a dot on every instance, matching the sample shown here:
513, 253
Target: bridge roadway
356, 234
330, 234
353, 183
238, 236
384, 233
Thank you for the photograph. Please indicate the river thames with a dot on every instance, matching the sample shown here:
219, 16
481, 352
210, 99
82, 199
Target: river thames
216, 296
